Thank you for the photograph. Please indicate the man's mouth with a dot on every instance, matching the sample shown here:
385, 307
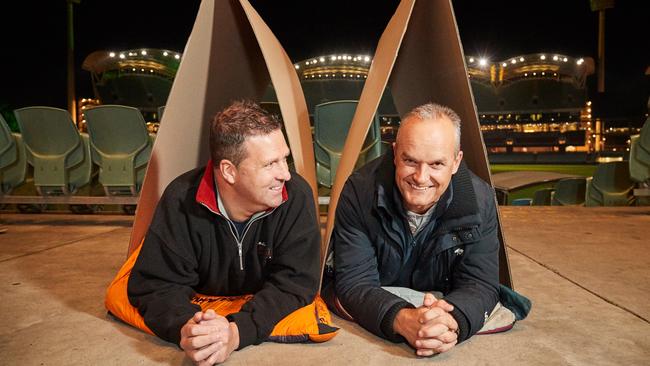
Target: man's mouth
276, 189
419, 188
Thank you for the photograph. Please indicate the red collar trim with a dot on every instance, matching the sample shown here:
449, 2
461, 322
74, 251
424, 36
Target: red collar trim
207, 196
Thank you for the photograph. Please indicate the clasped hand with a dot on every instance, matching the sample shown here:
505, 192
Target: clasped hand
430, 328
208, 338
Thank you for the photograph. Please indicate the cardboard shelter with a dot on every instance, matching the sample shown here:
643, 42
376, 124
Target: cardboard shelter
232, 54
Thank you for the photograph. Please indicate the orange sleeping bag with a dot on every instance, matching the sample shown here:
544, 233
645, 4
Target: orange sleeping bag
309, 323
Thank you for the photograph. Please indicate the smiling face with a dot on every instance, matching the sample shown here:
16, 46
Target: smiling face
425, 160
260, 176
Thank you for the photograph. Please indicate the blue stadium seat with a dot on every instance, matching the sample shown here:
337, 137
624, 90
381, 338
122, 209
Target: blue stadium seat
522, 202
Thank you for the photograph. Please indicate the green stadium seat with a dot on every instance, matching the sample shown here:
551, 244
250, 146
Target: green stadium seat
569, 191
610, 186
13, 161
640, 155
121, 147
59, 154
543, 197
331, 125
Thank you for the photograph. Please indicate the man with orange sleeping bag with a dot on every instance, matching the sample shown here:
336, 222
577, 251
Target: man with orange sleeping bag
231, 257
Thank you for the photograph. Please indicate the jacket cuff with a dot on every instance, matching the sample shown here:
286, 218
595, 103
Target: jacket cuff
389, 319
463, 324
246, 327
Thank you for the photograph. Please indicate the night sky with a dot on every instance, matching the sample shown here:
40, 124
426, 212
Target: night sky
34, 53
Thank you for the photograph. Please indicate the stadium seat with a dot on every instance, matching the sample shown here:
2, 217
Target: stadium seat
121, 147
59, 154
13, 162
610, 185
522, 202
569, 191
543, 197
640, 155
331, 124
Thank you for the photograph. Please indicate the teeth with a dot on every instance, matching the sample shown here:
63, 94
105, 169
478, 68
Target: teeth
418, 188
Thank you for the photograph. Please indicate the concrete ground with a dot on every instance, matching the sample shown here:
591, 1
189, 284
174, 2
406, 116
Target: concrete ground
585, 269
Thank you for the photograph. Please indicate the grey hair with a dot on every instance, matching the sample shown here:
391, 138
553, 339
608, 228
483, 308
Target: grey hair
436, 111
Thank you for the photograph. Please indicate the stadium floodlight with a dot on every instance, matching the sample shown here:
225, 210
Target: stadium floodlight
513, 61
504, 64
297, 66
521, 59
143, 52
122, 55
112, 54
482, 62
542, 57
471, 59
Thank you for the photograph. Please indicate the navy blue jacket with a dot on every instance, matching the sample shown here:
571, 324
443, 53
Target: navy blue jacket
456, 253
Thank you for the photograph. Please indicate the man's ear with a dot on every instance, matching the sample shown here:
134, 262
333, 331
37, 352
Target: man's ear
227, 170
457, 161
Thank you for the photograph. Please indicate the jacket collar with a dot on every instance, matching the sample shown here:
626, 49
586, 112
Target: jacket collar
206, 194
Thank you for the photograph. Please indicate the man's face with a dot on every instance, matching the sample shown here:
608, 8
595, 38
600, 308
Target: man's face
262, 173
425, 160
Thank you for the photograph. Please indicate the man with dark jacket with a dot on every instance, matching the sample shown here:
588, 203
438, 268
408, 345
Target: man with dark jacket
418, 219
243, 225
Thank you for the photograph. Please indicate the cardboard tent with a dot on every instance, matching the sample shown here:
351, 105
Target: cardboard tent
232, 54
420, 57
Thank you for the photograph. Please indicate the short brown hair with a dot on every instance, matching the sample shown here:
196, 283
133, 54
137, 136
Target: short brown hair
230, 128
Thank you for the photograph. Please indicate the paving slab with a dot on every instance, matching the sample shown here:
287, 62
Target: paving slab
52, 303
605, 250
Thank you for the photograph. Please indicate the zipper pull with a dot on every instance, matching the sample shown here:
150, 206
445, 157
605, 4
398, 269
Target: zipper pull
241, 260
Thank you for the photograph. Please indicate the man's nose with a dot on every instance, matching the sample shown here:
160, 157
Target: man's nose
421, 174
283, 173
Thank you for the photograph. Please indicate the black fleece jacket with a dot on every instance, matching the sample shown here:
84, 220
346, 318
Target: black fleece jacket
456, 253
191, 248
